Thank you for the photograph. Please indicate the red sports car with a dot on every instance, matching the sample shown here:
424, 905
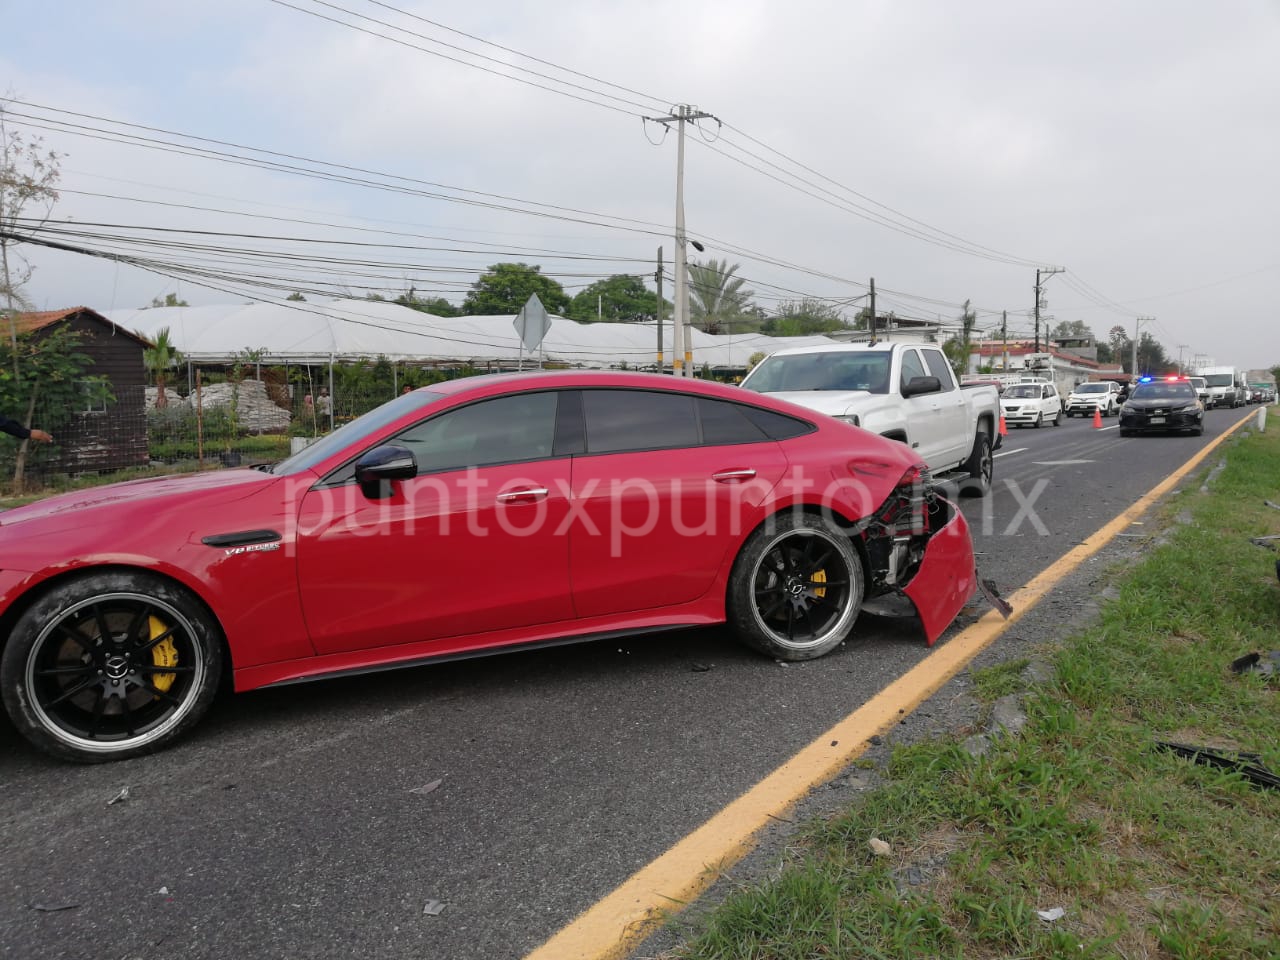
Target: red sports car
468, 517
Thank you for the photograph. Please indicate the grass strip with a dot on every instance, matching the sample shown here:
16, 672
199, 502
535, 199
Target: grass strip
1146, 853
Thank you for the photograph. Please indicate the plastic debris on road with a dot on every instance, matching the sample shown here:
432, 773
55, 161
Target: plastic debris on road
433, 908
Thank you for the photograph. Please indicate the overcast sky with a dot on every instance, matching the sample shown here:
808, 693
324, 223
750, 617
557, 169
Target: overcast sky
946, 149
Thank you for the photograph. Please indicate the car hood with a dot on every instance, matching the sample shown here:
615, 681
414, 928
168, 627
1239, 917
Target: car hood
834, 403
1089, 396
1175, 403
79, 507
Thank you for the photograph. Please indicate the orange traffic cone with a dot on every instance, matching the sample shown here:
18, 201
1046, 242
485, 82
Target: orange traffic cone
1004, 431
1097, 418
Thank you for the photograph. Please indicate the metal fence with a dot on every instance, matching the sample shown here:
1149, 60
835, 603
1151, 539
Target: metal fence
231, 421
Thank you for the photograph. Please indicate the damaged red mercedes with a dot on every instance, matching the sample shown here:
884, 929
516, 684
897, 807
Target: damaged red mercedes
470, 517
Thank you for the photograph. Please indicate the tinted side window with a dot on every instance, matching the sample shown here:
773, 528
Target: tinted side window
939, 367
724, 422
621, 420
501, 430
911, 366
777, 426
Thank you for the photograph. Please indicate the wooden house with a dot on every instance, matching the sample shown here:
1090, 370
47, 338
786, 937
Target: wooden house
99, 436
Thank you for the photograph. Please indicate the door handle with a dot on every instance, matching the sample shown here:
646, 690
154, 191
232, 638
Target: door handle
527, 495
733, 476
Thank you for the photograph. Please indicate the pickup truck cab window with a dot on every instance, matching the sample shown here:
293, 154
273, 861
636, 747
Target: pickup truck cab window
911, 366
939, 367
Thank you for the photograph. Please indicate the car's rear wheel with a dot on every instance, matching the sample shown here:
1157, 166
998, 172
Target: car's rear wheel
1057, 418
110, 665
796, 588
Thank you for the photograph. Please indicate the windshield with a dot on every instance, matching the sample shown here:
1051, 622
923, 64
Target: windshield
1198, 382
1092, 388
821, 371
1023, 391
1180, 390
350, 433
1219, 380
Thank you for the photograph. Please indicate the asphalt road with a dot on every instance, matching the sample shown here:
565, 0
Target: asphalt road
323, 820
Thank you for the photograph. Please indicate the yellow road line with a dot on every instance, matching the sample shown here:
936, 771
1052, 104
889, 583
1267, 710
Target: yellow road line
610, 928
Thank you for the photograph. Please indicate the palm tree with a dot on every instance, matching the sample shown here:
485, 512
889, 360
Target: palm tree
715, 294
159, 358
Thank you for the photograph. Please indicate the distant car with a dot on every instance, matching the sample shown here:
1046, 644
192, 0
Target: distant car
482, 514
1162, 406
1103, 396
1033, 404
1202, 390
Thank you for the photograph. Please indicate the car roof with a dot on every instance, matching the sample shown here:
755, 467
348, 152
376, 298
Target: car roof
840, 348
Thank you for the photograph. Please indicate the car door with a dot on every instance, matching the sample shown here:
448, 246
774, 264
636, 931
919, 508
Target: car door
667, 483
474, 543
1051, 403
921, 410
951, 432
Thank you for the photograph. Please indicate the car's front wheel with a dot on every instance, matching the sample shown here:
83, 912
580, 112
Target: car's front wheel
796, 587
110, 665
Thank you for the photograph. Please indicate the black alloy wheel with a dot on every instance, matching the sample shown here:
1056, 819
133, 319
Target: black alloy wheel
110, 666
796, 588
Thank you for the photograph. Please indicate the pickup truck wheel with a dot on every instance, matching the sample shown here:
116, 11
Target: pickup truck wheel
796, 588
979, 467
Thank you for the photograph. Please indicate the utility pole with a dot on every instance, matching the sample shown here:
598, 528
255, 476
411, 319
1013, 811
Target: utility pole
1181, 370
657, 279
1047, 273
1004, 336
682, 367
1138, 322
873, 309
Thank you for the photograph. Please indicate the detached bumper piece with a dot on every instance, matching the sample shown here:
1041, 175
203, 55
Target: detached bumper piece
1247, 765
918, 546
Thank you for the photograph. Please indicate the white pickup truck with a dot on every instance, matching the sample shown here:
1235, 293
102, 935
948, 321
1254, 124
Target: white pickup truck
904, 391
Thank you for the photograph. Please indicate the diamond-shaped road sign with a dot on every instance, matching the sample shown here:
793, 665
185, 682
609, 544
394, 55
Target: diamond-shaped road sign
532, 323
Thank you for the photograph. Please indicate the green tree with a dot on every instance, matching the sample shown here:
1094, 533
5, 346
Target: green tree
159, 358
436, 306
1121, 350
28, 180
805, 317
1071, 330
616, 299
716, 296
54, 379
506, 288
957, 353
170, 300
967, 320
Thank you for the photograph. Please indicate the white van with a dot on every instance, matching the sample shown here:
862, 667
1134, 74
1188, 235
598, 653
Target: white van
1221, 382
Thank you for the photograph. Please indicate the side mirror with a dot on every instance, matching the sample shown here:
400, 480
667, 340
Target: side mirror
377, 468
919, 385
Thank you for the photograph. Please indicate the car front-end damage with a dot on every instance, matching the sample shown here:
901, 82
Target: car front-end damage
918, 546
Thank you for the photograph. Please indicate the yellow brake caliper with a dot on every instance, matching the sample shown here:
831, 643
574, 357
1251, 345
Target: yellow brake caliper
163, 654
819, 577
